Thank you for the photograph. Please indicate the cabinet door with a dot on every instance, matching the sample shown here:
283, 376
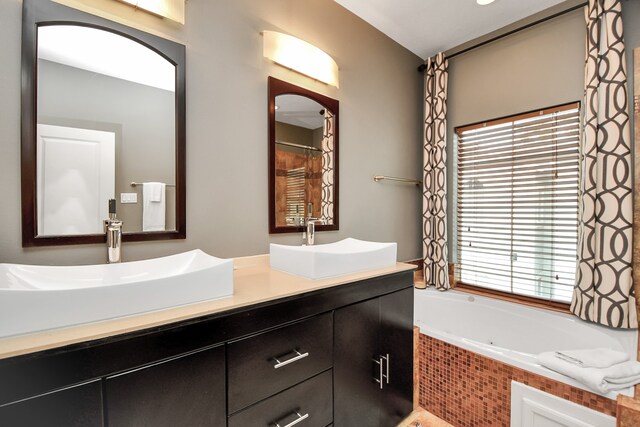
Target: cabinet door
185, 391
78, 406
356, 395
396, 346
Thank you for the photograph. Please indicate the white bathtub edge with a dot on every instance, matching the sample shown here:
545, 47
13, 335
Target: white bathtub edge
507, 356
525, 361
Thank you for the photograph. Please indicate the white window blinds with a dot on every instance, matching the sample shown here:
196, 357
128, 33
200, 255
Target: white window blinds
517, 205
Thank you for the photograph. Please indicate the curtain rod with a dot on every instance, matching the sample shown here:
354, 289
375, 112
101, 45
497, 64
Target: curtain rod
423, 67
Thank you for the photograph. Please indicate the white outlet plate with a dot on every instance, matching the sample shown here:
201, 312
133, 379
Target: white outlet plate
128, 198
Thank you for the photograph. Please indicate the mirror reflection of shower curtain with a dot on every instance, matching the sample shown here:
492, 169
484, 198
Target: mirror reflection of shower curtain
327, 168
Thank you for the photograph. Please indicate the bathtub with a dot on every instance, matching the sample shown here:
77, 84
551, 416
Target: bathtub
513, 333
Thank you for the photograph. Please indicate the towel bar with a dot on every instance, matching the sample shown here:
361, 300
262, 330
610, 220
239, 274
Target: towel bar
135, 184
377, 178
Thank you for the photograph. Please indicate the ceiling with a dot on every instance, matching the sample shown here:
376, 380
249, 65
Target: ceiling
427, 27
299, 111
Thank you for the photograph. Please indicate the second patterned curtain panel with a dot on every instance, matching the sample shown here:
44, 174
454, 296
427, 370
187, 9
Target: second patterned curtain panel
434, 202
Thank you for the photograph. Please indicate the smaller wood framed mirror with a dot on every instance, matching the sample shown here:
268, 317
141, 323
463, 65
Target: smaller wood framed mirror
303, 158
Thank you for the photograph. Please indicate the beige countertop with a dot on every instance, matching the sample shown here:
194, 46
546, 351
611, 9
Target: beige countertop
254, 282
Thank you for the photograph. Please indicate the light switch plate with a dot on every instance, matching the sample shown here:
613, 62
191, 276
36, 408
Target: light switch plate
128, 198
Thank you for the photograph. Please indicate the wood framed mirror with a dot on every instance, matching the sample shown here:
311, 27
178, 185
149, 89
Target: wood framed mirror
103, 116
303, 158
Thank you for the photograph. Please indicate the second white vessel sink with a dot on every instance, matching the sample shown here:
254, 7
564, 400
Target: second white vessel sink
334, 259
35, 298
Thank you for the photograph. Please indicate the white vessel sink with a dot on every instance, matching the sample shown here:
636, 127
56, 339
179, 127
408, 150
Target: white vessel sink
334, 259
35, 298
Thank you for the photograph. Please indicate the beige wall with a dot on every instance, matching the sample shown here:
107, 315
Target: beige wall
534, 68
380, 131
295, 134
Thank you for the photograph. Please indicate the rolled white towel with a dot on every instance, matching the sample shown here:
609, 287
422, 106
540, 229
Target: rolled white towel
602, 380
593, 357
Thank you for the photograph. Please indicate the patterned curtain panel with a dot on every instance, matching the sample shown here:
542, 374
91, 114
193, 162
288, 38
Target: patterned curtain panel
434, 202
327, 168
604, 292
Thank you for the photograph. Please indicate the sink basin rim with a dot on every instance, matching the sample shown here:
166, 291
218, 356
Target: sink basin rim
336, 259
26, 311
38, 278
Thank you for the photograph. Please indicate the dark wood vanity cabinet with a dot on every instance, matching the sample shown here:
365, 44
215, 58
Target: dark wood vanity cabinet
311, 359
188, 390
373, 364
76, 406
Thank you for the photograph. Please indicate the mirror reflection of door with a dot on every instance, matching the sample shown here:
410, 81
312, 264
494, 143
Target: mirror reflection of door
76, 173
303, 161
93, 79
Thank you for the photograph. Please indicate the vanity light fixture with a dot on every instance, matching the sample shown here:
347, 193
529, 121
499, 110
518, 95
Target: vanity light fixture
484, 2
170, 9
300, 56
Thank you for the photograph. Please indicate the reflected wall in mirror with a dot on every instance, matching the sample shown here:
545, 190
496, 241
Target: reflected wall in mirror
303, 158
103, 108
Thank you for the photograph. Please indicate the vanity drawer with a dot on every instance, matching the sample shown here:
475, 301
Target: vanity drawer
264, 364
311, 400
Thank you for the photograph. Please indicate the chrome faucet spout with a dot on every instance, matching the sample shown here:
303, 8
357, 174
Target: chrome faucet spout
311, 230
113, 230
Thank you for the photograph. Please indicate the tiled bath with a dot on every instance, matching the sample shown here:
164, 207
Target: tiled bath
466, 389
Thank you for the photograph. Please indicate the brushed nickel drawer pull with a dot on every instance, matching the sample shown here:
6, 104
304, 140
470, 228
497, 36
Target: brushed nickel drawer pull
387, 375
381, 371
298, 356
294, 422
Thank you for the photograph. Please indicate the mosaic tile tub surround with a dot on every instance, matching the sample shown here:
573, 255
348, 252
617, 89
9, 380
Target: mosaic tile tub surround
468, 389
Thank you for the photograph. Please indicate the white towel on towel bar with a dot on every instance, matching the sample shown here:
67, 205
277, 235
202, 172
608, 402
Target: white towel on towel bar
153, 206
593, 358
602, 380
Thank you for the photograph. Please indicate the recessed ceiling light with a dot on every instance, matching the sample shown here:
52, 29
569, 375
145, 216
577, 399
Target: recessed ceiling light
484, 2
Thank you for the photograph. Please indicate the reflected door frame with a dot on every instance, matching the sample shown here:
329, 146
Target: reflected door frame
75, 198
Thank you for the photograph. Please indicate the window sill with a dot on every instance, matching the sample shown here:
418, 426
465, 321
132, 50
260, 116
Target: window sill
559, 307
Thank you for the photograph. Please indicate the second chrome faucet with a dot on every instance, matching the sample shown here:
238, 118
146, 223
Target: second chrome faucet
310, 231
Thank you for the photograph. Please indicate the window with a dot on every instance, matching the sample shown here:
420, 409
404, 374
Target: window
517, 203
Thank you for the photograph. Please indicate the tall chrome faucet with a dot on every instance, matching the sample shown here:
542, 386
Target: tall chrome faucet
310, 233
113, 228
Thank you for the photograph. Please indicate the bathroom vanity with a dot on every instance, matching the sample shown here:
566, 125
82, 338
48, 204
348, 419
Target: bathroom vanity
282, 350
